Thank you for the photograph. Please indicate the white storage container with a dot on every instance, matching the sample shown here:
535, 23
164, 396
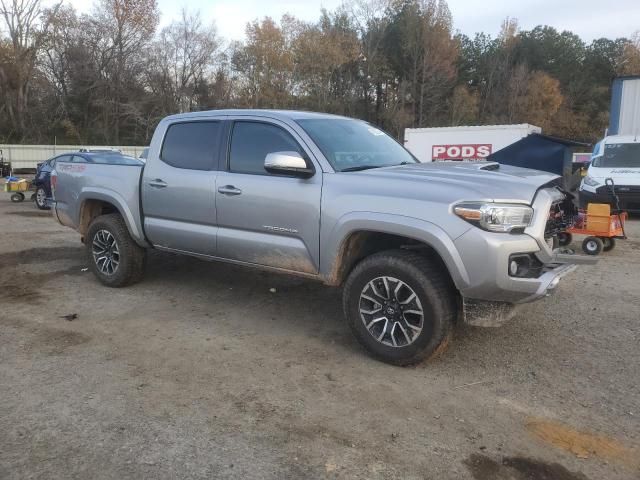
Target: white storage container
463, 143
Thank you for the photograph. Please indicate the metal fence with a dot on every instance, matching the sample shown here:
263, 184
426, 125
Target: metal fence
28, 156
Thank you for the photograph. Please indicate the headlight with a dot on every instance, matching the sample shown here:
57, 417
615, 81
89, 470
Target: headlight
592, 182
495, 217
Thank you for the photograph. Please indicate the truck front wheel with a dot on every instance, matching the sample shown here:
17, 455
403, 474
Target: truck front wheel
114, 257
401, 306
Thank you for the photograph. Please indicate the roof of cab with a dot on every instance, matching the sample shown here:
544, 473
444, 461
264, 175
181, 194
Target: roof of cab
277, 114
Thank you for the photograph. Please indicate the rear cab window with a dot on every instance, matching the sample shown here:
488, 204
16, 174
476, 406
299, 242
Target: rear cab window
192, 145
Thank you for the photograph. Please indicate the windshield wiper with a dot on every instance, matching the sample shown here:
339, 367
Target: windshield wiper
361, 167
368, 167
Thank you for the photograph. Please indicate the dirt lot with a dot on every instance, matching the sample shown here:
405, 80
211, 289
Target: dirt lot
202, 371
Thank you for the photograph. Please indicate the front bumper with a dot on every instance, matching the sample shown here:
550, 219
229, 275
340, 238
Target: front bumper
486, 257
487, 313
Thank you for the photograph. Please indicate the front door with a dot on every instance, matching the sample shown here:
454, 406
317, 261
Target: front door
267, 219
178, 188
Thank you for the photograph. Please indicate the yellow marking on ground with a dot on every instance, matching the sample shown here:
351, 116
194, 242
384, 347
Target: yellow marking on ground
583, 444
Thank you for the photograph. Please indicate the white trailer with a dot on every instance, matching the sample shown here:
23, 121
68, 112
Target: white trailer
463, 143
27, 157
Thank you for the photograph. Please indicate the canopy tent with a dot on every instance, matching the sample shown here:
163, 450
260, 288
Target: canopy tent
542, 152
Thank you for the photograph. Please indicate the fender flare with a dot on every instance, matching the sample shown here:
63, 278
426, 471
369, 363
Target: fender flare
115, 199
410, 227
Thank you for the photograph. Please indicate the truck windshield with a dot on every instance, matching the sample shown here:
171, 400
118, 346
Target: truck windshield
351, 145
618, 155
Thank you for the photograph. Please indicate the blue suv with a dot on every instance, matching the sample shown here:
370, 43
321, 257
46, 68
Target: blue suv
42, 182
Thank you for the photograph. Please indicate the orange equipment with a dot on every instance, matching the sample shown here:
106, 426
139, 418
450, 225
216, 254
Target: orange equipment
600, 226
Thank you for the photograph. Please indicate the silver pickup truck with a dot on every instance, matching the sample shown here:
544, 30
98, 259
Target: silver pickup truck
417, 247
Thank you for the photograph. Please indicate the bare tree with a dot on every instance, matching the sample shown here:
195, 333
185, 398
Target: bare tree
185, 54
126, 28
371, 21
27, 27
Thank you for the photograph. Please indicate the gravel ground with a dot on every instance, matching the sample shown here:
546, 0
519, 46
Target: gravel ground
203, 371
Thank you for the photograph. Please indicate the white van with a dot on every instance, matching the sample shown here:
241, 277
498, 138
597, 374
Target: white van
616, 157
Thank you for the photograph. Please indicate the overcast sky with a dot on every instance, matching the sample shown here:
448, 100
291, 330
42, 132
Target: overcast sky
588, 18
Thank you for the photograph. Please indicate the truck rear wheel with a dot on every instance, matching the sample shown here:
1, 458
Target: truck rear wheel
401, 306
114, 257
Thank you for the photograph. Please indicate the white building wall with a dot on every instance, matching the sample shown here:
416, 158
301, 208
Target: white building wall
630, 108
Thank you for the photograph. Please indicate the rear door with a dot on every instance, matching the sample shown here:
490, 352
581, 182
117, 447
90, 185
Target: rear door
178, 187
267, 219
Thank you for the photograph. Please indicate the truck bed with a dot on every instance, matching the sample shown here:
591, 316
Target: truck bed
113, 182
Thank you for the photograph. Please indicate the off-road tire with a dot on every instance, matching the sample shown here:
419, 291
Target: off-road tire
41, 206
132, 257
592, 246
608, 244
435, 290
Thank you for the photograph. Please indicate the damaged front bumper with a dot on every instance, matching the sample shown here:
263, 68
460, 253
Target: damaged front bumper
493, 293
490, 313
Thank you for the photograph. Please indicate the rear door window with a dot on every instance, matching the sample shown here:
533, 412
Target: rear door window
192, 145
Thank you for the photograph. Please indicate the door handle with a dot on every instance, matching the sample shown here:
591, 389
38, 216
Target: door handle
229, 190
158, 183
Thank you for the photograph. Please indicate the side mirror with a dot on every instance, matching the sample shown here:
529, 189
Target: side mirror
287, 163
595, 162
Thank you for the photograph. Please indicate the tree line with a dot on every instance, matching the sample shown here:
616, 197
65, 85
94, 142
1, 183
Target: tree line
109, 76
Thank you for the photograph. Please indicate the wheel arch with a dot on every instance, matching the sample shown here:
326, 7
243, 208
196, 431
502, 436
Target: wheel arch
96, 203
358, 236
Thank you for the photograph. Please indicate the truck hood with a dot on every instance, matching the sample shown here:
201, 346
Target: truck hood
487, 181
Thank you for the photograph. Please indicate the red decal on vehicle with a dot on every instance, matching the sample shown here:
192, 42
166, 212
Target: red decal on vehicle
72, 168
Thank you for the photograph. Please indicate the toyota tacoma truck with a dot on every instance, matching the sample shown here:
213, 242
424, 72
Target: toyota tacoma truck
416, 247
